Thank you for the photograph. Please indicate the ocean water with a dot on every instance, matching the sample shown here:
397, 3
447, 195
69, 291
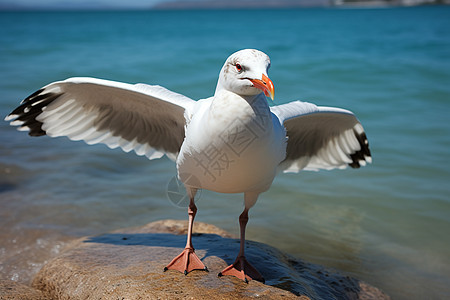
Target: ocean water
387, 224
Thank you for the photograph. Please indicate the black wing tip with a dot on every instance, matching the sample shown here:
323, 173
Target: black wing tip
363, 155
32, 96
29, 109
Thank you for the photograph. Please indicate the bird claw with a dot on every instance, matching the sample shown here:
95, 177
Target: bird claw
243, 270
186, 262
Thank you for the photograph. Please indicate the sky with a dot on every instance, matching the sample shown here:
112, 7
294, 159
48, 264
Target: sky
105, 4
81, 3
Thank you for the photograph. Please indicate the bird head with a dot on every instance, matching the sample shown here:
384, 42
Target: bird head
245, 73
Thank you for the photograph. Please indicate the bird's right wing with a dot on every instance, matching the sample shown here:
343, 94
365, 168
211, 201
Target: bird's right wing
147, 119
321, 137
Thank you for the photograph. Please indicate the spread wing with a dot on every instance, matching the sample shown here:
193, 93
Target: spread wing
147, 119
321, 138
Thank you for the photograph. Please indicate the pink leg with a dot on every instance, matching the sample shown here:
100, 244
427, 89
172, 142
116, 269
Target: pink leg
241, 268
187, 260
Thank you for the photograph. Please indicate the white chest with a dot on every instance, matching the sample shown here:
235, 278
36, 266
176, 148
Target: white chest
232, 147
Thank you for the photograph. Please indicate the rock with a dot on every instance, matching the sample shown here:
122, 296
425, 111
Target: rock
128, 264
11, 290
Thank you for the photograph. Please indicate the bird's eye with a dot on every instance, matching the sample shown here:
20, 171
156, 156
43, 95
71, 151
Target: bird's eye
238, 67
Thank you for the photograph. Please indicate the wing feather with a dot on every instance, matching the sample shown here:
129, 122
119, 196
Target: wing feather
147, 119
321, 137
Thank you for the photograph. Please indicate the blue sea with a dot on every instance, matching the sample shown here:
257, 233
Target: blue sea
387, 224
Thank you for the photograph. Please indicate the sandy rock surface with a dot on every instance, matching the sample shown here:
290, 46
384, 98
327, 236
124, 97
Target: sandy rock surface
129, 263
11, 290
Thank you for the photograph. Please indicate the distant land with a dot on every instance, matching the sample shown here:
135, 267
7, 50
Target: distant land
212, 4
236, 4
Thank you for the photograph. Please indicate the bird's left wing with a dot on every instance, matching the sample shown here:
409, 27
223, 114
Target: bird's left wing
321, 137
147, 119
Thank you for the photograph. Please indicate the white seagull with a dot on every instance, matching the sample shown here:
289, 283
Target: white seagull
232, 142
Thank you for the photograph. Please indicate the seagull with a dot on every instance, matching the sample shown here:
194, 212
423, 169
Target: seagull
232, 142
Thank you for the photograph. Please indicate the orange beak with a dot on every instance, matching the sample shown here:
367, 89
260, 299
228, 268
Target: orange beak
265, 85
